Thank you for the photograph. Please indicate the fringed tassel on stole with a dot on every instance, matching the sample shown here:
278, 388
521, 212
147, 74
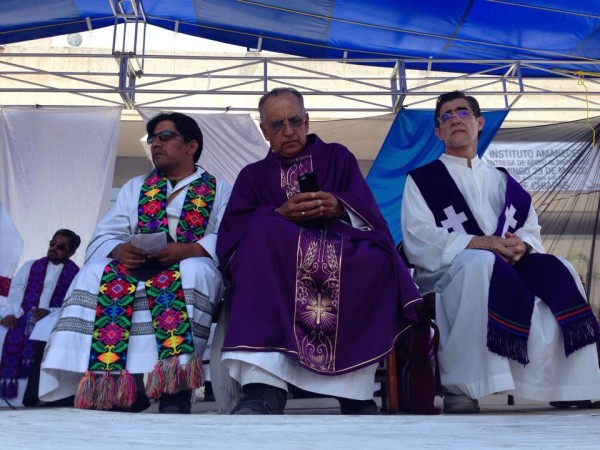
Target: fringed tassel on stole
84, 398
171, 371
125, 394
9, 387
105, 392
168, 376
579, 333
193, 373
509, 345
156, 382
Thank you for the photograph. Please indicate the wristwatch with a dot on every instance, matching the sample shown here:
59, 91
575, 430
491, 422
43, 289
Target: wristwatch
528, 248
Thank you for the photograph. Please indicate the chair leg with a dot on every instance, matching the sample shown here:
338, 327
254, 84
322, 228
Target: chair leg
391, 391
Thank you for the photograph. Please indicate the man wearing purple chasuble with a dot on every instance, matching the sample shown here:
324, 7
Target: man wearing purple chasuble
36, 294
511, 317
144, 300
319, 294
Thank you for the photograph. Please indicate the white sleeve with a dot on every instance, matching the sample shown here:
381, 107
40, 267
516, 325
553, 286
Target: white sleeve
17, 292
209, 241
118, 224
530, 232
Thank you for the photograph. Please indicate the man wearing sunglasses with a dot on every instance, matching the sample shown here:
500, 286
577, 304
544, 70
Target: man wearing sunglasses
319, 294
35, 297
144, 300
511, 317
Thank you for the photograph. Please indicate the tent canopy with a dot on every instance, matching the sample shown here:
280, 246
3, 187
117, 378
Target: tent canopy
441, 30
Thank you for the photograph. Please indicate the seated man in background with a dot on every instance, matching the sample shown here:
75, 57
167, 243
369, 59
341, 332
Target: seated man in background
144, 300
511, 317
319, 294
36, 294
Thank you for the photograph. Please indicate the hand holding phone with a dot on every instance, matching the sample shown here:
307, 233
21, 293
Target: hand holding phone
308, 182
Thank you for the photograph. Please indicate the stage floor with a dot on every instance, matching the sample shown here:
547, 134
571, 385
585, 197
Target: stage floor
310, 423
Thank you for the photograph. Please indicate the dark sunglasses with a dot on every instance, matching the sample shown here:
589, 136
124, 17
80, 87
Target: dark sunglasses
58, 245
164, 136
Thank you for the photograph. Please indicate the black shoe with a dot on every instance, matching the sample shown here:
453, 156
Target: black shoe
260, 398
252, 407
582, 404
33, 403
63, 402
460, 404
358, 407
178, 403
209, 395
141, 403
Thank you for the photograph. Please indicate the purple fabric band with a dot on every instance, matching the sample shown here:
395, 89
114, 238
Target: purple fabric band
18, 350
513, 288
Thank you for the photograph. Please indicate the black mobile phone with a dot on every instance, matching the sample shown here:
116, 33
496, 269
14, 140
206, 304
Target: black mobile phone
308, 182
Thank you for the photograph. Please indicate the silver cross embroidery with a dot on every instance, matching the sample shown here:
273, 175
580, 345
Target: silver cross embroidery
454, 221
510, 220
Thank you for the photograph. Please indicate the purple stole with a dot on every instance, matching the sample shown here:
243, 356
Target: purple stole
513, 288
18, 349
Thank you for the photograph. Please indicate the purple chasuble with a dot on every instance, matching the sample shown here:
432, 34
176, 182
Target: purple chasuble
335, 298
513, 288
18, 350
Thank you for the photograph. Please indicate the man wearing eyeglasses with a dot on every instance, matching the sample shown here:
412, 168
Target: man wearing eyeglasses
35, 297
319, 294
144, 300
511, 317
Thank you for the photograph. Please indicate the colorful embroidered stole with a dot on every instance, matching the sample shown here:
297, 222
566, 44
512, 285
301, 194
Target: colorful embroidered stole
513, 288
166, 300
18, 351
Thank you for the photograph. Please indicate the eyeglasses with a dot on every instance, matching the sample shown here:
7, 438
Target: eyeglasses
164, 136
460, 115
294, 121
58, 245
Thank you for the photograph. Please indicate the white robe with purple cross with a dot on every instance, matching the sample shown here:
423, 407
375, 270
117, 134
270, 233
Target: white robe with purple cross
460, 277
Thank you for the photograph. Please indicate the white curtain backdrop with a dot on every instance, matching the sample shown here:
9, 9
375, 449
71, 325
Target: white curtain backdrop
56, 167
11, 244
231, 141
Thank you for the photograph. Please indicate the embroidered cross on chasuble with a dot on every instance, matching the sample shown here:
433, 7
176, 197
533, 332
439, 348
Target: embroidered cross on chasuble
318, 284
170, 320
318, 276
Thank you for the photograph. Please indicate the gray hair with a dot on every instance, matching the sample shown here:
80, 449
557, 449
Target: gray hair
276, 93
